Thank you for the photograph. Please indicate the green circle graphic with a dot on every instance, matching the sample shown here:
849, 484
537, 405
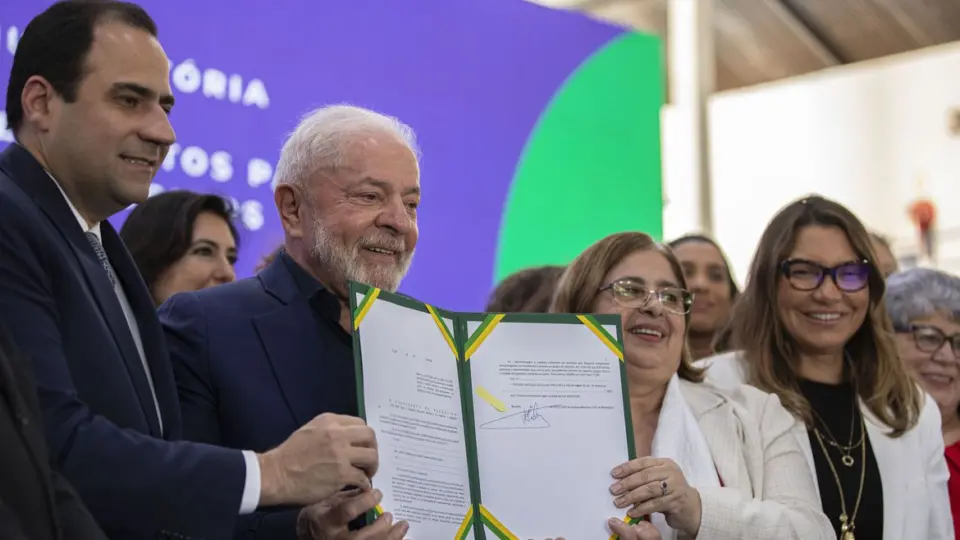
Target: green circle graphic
591, 166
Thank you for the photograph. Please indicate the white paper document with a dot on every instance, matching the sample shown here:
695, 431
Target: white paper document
490, 425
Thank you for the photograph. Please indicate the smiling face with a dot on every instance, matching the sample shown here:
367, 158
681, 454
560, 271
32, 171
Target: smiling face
208, 261
824, 319
360, 221
653, 336
707, 277
938, 371
121, 115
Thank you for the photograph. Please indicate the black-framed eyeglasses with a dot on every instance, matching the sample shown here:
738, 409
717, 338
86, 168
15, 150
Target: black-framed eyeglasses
930, 338
632, 294
804, 275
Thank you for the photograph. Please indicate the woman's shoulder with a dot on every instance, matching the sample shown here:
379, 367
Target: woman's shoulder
740, 411
930, 418
725, 370
744, 397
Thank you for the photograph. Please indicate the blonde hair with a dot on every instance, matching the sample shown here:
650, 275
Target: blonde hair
582, 279
771, 352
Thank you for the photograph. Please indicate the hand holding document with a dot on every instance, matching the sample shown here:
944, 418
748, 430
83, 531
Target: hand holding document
492, 425
331, 518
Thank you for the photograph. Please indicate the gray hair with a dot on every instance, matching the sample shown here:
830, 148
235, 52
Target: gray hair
921, 292
319, 139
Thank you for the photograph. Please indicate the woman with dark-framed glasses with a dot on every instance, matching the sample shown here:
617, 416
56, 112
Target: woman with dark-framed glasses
811, 327
924, 305
714, 464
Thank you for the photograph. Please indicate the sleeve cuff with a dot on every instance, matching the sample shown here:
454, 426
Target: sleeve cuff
251, 485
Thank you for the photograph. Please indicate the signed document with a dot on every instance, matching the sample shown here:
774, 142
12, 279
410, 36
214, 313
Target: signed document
499, 426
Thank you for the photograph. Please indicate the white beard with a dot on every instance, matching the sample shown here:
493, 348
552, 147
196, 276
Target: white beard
329, 252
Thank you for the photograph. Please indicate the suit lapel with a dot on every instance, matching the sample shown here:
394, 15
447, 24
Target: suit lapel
151, 333
27, 173
286, 334
799, 431
722, 431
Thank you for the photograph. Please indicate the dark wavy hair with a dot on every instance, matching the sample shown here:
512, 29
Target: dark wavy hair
528, 291
771, 352
159, 231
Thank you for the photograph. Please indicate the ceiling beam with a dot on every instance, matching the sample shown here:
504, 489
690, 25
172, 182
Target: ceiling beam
817, 43
588, 5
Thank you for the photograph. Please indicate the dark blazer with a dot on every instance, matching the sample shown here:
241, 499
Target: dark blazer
101, 423
35, 501
252, 366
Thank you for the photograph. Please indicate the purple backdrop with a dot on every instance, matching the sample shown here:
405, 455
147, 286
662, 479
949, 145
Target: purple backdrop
470, 76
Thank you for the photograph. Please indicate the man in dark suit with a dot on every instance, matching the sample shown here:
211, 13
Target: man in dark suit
256, 359
36, 503
88, 103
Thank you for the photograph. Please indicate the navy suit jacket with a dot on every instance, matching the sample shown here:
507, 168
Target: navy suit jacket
251, 369
100, 420
35, 501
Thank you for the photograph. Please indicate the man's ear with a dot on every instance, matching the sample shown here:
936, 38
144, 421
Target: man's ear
40, 103
288, 199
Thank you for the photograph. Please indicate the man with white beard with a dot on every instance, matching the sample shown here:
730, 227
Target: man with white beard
258, 358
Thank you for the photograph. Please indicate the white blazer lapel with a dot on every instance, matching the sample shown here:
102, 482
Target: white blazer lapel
889, 455
723, 433
803, 438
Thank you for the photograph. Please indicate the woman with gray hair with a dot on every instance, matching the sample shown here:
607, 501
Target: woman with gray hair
924, 306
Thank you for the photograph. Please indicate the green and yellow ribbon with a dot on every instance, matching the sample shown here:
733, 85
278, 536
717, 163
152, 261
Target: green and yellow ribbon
497, 528
599, 331
481, 333
364, 306
465, 525
447, 335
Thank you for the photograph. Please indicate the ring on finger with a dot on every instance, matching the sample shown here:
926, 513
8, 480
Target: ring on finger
663, 488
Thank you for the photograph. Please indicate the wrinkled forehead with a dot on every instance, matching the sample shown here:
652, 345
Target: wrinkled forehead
382, 157
375, 148
648, 267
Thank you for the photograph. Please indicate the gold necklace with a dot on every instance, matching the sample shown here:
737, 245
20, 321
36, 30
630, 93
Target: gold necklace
846, 522
845, 449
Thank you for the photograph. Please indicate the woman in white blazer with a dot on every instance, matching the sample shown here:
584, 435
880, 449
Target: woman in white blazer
811, 327
715, 465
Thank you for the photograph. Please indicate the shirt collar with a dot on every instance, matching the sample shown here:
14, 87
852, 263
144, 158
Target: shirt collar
76, 213
308, 285
321, 299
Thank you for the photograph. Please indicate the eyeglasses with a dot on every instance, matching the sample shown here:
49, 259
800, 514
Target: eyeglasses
632, 294
930, 339
804, 275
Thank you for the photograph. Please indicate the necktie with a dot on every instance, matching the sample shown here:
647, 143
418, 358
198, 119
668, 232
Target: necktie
102, 256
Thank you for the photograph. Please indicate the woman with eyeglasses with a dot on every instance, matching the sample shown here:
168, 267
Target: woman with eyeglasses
714, 464
811, 327
924, 305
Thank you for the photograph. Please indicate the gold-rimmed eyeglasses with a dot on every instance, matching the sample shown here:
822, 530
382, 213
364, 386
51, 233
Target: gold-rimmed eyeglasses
633, 294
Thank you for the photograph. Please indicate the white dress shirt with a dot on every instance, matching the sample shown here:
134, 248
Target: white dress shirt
251, 485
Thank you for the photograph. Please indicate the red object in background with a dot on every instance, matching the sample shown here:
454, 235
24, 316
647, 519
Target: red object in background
924, 213
952, 454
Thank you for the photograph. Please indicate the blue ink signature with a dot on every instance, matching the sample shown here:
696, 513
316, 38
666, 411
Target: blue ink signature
528, 418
